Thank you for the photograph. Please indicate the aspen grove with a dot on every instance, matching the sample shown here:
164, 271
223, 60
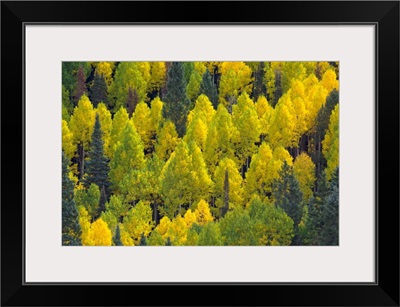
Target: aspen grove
200, 153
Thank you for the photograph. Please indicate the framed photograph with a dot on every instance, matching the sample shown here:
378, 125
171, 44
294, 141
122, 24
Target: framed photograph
199, 147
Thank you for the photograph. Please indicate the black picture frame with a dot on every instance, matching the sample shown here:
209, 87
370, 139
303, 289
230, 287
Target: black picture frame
383, 14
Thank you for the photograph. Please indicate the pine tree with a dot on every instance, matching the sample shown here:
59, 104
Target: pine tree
71, 229
97, 165
321, 126
168, 242
176, 106
288, 196
143, 241
117, 237
208, 88
99, 90
259, 88
314, 223
330, 213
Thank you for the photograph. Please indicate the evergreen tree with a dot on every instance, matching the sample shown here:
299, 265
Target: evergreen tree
288, 196
330, 213
71, 229
176, 105
314, 221
259, 88
278, 88
208, 88
117, 237
321, 126
97, 165
168, 242
143, 241
98, 91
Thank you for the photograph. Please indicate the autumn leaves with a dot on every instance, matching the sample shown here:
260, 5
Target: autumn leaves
191, 154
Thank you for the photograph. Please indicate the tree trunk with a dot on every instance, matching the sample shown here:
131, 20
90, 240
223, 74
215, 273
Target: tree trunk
155, 205
81, 152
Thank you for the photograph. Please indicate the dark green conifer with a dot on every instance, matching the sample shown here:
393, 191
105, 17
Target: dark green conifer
71, 229
208, 88
117, 237
176, 103
99, 91
97, 165
288, 196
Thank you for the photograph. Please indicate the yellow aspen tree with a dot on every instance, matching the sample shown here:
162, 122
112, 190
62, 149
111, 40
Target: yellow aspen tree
155, 238
167, 140
221, 136
81, 125
213, 66
68, 146
310, 81
190, 218
125, 237
316, 97
141, 120
269, 77
259, 176
84, 222
193, 86
298, 97
111, 221
304, 171
210, 235
128, 157
138, 221
163, 226
145, 70
329, 81
203, 109
321, 68
158, 72
197, 132
264, 168
129, 75
177, 231
176, 185
117, 206
235, 186
200, 180
245, 119
265, 114
89, 199
203, 213
148, 186
272, 226
330, 144
282, 131
192, 237
310, 67
200, 67
101, 234
119, 123
105, 69
156, 118
292, 71
236, 78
